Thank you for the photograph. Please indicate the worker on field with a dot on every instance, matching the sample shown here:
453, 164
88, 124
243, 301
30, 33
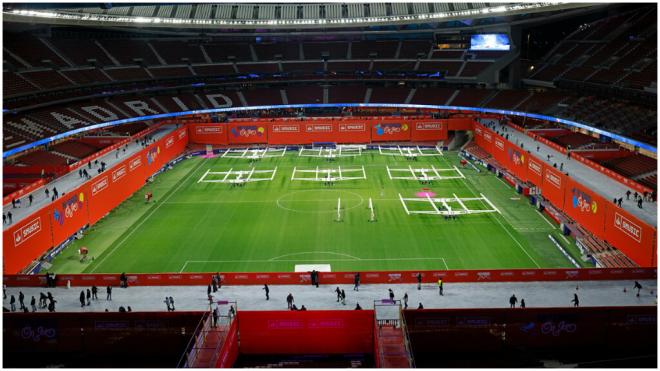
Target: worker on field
440, 286
267, 290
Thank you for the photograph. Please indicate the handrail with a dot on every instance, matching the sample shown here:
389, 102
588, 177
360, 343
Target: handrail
193, 340
406, 338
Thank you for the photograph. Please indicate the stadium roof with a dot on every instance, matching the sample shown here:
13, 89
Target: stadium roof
271, 15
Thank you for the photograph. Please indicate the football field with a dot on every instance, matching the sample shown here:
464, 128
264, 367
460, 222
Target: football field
363, 210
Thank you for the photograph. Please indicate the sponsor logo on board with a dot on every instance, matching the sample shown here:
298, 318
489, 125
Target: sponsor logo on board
628, 227
352, 127
421, 126
247, 131
119, 173
583, 202
390, 129
553, 178
208, 130
286, 128
25, 232
99, 185
318, 128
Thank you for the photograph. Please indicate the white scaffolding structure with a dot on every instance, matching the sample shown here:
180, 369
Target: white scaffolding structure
346, 150
424, 174
441, 206
410, 151
232, 176
254, 153
329, 174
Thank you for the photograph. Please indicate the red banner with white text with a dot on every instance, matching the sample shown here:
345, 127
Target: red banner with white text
535, 171
516, 161
554, 183
425, 131
634, 238
26, 240
208, 133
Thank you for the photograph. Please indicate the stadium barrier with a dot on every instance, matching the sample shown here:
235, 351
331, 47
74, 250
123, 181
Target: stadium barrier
229, 351
22, 191
54, 223
328, 130
599, 216
344, 278
306, 332
612, 174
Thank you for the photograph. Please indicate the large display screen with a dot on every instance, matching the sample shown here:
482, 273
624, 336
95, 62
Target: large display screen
491, 41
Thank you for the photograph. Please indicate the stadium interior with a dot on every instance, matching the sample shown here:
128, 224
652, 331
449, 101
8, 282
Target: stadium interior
491, 147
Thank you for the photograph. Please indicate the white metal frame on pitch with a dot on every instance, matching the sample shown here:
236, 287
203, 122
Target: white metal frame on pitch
447, 210
324, 152
330, 175
410, 151
254, 153
424, 174
239, 176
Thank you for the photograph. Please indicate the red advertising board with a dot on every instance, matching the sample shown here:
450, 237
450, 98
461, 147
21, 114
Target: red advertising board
208, 133
516, 161
499, 149
428, 130
306, 332
25, 241
585, 207
460, 124
69, 213
248, 133
630, 235
390, 131
344, 278
534, 170
553, 186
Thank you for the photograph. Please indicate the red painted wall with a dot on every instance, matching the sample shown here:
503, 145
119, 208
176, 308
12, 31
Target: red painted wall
208, 133
306, 332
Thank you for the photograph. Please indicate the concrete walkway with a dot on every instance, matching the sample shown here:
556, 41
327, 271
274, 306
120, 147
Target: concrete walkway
456, 295
72, 180
593, 179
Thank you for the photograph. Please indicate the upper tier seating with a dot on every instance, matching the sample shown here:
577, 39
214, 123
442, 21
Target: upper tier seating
41, 157
633, 165
435, 96
74, 148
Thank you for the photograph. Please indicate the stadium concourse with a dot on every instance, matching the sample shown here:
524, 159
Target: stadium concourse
70, 181
595, 180
618, 293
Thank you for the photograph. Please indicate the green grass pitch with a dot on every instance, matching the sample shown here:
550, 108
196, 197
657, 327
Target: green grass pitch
273, 225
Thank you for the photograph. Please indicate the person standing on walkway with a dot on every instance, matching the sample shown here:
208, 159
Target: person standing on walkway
267, 290
419, 281
289, 301
391, 294
338, 291
51, 305
9, 215
405, 301
95, 290
343, 297
522, 303
21, 299
440, 287
172, 303
42, 300
356, 282
33, 304
215, 317
513, 300
82, 298
208, 291
420, 306
628, 195
89, 297
30, 199
167, 303
12, 303
108, 291
638, 286
214, 284
575, 301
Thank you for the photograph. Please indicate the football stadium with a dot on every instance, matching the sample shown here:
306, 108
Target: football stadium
480, 178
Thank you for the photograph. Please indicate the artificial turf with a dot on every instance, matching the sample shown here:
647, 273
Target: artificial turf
265, 226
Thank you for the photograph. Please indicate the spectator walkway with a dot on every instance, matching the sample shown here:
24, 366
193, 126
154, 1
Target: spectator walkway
456, 295
593, 179
72, 180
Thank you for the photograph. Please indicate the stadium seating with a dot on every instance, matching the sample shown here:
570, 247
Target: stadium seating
86, 76
437, 96
347, 94
41, 157
75, 149
508, 99
632, 166
130, 51
470, 97
13, 83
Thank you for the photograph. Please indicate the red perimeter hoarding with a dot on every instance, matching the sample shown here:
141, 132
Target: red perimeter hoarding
598, 215
54, 223
390, 132
306, 332
248, 133
428, 131
208, 133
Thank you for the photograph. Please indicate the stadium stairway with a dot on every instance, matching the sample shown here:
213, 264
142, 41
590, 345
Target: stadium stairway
392, 346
